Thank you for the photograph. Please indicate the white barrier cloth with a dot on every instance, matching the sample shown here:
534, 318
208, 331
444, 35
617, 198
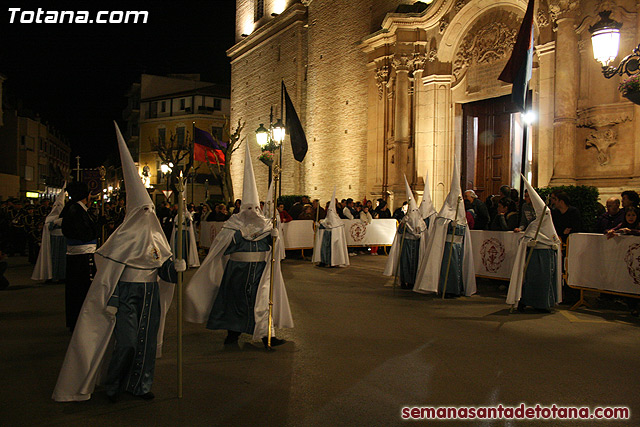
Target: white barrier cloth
604, 264
299, 234
494, 252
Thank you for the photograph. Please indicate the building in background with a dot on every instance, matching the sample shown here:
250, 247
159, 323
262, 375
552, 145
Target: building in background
35, 152
164, 107
391, 87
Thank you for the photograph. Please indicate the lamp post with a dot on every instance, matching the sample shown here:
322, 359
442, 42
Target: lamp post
269, 140
166, 170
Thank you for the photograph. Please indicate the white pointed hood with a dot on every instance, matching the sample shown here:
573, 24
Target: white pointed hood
58, 205
426, 206
413, 219
547, 234
139, 241
333, 219
454, 199
250, 221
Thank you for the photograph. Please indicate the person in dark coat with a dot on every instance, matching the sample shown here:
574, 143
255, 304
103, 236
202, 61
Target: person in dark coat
81, 232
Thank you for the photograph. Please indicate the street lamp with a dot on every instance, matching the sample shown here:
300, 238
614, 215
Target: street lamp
166, 170
269, 141
605, 40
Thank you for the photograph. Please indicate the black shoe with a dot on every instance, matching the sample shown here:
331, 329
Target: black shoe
147, 396
274, 342
232, 337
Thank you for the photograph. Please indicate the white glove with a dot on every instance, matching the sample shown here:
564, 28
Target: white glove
180, 265
274, 232
112, 310
531, 243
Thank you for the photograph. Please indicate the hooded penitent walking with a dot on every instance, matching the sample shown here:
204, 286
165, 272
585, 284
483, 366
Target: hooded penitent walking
230, 291
447, 265
330, 248
189, 244
51, 263
119, 331
405, 250
539, 283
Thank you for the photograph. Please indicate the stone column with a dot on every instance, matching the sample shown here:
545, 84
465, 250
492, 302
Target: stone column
636, 115
566, 90
402, 109
544, 151
434, 141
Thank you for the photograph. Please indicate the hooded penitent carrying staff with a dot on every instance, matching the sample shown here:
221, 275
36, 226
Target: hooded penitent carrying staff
331, 245
231, 289
453, 235
433, 266
407, 244
538, 254
126, 301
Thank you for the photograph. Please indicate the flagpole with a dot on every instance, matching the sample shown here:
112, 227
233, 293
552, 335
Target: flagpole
179, 254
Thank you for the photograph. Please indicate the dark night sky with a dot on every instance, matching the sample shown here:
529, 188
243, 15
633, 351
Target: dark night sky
76, 75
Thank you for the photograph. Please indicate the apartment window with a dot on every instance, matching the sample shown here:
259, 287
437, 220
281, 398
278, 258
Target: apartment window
28, 173
30, 143
182, 104
216, 132
163, 107
162, 135
180, 135
258, 10
217, 104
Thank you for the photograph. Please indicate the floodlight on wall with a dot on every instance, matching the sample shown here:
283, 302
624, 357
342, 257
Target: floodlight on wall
605, 39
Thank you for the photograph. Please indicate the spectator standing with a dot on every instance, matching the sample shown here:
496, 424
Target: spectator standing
566, 218
399, 213
318, 211
349, 211
284, 215
527, 212
630, 198
382, 211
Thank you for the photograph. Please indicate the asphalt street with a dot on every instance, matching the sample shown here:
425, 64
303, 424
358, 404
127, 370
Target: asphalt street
358, 354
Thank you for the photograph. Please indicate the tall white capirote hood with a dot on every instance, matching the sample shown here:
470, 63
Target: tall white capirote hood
547, 234
250, 198
139, 241
333, 219
251, 222
58, 205
426, 206
413, 219
454, 199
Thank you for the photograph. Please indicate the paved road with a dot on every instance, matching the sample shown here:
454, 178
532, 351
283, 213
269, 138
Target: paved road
357, 355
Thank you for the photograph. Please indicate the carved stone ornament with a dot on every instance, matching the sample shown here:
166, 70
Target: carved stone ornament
382, 77
542, 18
602, 140
459, 5
561, 8
433, 55
604, 115
401, 62
486, 45
444, 23
418, 62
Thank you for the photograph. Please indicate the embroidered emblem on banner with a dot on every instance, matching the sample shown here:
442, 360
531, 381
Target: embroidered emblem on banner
492, 253
358, 231
154, 253
632, 258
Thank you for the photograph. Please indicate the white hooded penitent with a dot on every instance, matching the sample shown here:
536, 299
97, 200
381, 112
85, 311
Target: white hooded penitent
332, 224
43, 269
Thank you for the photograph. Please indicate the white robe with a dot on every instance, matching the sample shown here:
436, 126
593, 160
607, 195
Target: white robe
517, 273
428, 276
201, 291
43, 270
87, 357
339, 253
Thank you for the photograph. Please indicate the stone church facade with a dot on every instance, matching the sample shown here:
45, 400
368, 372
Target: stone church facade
386, 88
